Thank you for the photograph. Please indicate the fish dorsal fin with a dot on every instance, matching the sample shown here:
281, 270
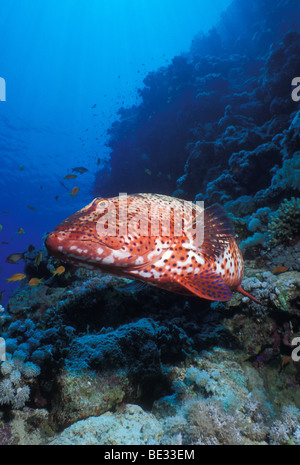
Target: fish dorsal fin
207, 285
217, 232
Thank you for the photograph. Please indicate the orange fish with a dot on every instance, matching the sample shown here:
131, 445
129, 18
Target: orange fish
118, 236
60, 270
21, 231
74, 191
279, 269
35, 282
16, 277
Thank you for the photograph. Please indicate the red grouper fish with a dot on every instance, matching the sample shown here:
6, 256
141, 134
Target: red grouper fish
156, 239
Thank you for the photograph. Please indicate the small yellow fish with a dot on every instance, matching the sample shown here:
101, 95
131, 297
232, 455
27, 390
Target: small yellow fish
70, 176
16, 277
21, 231
35, 282
148, 171
98, 161
21, 168
31, 207
60, 270
1, 227
38, 259
74, 191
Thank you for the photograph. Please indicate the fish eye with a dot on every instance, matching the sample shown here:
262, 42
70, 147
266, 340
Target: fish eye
102, 203
98, 202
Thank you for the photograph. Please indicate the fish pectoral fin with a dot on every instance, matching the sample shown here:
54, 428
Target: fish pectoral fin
217, 232
207, 285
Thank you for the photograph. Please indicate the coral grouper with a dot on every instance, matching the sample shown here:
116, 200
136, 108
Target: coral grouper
164, 241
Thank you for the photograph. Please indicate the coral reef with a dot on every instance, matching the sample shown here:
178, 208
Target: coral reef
129, 425
216, 122
26, 427
83, 373
285, 222
218, 399
14, 390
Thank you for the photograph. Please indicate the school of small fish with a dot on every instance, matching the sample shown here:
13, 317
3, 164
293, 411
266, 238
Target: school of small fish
14, 258
172, 262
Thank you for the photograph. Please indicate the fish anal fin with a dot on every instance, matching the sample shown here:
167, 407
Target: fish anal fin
207, 285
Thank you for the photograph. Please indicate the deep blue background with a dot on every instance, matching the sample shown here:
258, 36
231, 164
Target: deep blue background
59, 58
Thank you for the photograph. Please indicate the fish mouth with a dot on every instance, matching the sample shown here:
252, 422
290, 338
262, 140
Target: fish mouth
72, 251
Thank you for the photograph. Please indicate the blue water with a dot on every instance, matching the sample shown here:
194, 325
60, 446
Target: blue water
59, 59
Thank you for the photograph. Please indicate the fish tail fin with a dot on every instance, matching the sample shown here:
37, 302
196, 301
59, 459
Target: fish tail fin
242, 291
